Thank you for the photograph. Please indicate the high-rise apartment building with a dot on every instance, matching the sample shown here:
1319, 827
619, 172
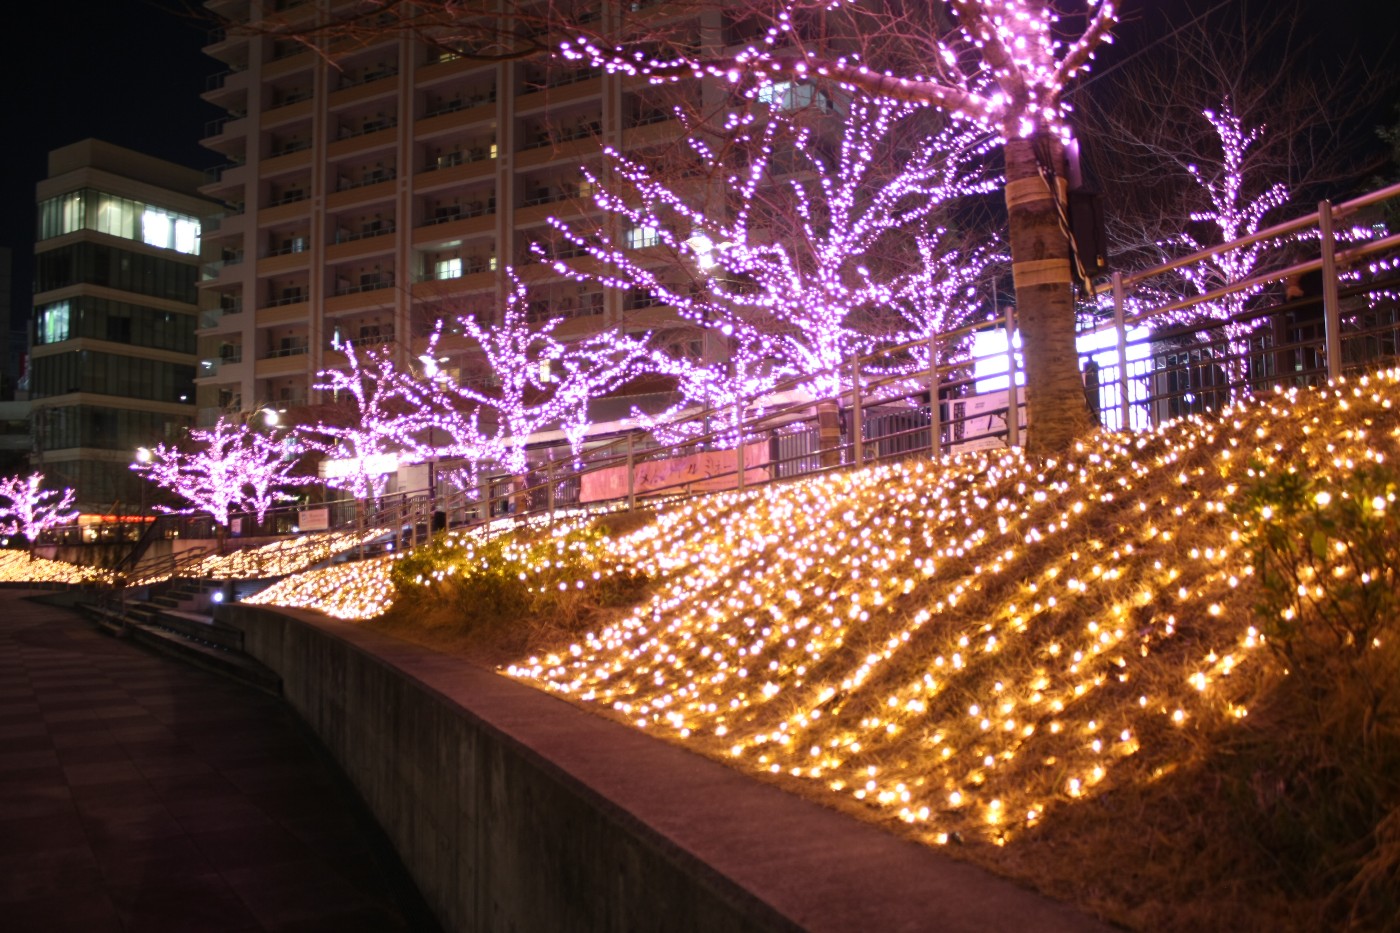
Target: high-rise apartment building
117, 259
373, 189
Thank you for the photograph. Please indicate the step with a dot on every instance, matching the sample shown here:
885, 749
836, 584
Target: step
106, 619
141, 612
232, 664
199, 627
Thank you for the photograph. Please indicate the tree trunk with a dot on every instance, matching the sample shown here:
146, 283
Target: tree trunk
828, 434
1056, 412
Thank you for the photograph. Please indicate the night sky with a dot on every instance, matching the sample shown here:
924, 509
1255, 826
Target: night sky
131, 72
126, 71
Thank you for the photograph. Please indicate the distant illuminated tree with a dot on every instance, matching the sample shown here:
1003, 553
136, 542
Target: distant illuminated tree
225, 468
541, 383
382, 419
30, 510
947, 290
1240, 204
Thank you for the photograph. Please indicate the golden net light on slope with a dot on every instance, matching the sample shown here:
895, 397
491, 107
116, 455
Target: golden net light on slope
934, 640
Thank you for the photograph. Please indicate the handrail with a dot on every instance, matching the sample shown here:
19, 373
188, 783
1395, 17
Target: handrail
911, 394
1277, 230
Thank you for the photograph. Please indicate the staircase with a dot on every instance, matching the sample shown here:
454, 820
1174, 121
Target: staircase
175, 619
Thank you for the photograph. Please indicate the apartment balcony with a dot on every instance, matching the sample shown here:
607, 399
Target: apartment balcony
454, 225
447, 120
572, 147
231, 49
367, 193
226, 86
284, 208
657, 127
431, 289
557, 95
382, 135
292, 313
288, 346
282, 362
219, 269
362, 297
286, 161
284, 262
229, 368
368, 85
434, 72
290, 62
226, 182
452, 171
288, 111
230, 226
215, 320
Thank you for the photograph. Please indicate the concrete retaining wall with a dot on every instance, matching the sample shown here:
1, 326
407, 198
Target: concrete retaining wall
495, 838
515, 811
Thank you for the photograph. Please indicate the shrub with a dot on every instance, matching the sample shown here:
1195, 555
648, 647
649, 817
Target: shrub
1319, 759
543, 579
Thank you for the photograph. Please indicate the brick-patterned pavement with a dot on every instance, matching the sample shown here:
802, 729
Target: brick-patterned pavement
139, 794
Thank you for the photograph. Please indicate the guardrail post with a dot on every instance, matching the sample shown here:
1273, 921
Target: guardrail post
1331, 312
631, 475
549, 487
1013, 414
935, 428
739, 450
857, 425
1120, 325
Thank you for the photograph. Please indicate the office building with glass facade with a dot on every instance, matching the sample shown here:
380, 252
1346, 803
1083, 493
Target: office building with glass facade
112, 363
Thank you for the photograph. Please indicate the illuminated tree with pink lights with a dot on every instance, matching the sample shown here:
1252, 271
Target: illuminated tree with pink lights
1002, 65
1233, 215
1241, 203
223, 469
541, 383
382, 414
947, 290
789, 273
30, 510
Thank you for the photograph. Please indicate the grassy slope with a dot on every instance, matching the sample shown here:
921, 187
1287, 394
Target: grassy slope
1053, 667
1026, 659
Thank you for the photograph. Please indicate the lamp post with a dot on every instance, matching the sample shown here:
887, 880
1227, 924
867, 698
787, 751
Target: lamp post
143, 455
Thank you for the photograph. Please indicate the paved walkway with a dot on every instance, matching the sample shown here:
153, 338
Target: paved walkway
140, 794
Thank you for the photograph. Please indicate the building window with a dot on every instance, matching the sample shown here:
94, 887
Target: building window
89, 209
447, 268
102, 264
53, 323
785, 95
642, 237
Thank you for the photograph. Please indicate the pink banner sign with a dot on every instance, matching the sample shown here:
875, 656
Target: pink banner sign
706, 471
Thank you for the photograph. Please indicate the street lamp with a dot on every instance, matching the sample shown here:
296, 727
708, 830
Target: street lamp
143, 455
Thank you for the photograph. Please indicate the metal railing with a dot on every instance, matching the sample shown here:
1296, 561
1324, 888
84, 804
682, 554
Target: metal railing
936, 396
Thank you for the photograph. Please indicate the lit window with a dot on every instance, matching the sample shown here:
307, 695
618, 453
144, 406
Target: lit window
89, 209
784, 95
642, 237
53, 322
187, 236
493, 150
156, 228
447, 269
